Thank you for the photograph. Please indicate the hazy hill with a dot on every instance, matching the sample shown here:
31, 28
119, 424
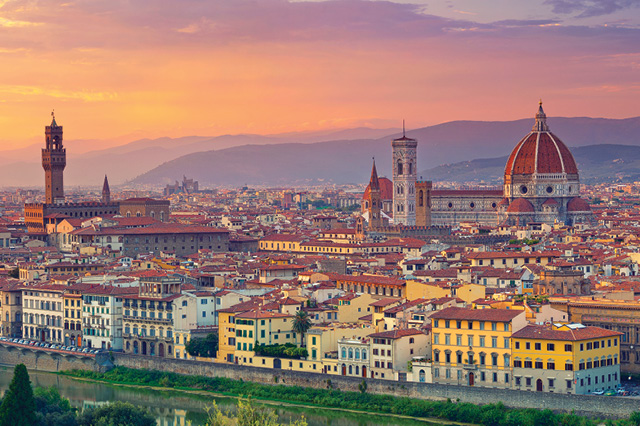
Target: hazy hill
597, 163
350, 162
87, 162
298, 157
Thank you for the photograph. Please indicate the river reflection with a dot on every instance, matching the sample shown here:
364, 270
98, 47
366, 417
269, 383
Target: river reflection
179, 409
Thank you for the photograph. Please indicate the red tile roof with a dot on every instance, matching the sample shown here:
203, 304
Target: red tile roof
499, 315
551, 333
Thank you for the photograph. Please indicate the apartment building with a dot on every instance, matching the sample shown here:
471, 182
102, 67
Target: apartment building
392, 350
565, 358
11, 309
473, 347
42, 308
148, 316
102, 316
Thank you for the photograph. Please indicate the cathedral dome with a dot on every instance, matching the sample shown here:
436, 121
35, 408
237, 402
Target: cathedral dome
520, 205
578, 205
386, 189
541, 152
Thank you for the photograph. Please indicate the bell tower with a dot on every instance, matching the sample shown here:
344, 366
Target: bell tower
54, 160
375, 200
404, 180
106, 192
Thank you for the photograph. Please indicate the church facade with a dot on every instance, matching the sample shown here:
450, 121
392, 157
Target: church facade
541, 185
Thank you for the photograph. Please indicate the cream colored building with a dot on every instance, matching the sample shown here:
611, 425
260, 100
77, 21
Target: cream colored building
42, 308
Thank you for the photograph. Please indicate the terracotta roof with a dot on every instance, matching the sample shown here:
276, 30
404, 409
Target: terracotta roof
520, 205
540, 152
551, 333
386, 189
396, 334
262, 314
500, 315
578, 205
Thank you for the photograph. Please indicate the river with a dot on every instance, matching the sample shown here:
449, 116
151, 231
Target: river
173, 408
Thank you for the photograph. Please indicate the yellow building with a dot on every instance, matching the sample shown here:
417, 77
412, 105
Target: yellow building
227, 329
352, 307
473, 346
422, 290
566, 358
258, 327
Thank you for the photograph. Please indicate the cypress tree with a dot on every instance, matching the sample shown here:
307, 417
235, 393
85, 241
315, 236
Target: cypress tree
18, 407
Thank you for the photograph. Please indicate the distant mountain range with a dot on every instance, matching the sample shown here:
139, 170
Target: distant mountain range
596, 163
333, 157
350, 161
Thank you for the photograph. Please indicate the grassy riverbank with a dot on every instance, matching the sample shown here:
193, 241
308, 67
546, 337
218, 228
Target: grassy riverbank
488, 415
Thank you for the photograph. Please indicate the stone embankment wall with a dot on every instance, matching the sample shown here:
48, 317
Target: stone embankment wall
46, 361
600, 406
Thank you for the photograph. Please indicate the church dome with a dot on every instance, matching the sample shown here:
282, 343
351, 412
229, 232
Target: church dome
541, 152
578, 205
520, 205
386, 189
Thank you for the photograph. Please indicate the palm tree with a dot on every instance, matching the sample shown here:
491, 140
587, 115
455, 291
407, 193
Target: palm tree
301, 323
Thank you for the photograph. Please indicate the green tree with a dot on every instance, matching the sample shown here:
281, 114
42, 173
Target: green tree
15, 272
248, 414
116, 414
18, 407
301, 324
634, 418
207, 347
52, 409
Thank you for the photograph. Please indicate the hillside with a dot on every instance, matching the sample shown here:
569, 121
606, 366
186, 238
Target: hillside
341, 156
350, 161
597, 163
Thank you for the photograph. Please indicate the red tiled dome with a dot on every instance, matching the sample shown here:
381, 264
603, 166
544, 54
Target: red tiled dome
520, 205
504, 202
386, 189
550, 202
578, 205
540, 152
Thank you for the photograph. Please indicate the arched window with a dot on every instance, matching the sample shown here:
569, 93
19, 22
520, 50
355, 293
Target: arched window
350, 353
410, 167
351, 369
357, 353
423, 376
344, 352
364, 354
421, 198
400, 167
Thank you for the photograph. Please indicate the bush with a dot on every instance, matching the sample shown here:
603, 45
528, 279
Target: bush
487, 415
287, 350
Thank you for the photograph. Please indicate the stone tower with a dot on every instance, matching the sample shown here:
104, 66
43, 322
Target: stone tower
375, 200
423, 203
54, 160
106, 192
404, 180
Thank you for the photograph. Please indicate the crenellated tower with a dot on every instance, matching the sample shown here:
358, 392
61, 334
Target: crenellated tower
404, 180
54, 160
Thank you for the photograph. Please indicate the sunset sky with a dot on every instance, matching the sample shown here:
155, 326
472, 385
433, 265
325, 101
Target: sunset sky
125, 69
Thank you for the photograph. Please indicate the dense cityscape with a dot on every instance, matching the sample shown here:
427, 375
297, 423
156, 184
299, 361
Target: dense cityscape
319, 213
528, 288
